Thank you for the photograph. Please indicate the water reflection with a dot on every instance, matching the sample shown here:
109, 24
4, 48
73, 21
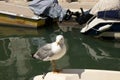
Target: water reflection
106, 53
105, 59
89, 52
16, 48
100, 50
19, 60
16, 62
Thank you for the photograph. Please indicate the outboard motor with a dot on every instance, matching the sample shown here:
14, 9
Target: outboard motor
68, 15
82, 17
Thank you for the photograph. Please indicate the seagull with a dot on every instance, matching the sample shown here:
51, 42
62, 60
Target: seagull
52, 52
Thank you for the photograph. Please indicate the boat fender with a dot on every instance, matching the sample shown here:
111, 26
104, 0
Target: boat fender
104, 28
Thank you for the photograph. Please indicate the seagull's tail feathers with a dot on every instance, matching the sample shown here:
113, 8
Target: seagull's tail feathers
35, 56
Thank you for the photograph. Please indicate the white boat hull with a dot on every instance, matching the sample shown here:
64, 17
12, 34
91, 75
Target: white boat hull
102, 28
81, 74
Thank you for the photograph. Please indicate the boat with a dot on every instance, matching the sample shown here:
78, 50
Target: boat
19, 15
80, 74
105, 21
102, 28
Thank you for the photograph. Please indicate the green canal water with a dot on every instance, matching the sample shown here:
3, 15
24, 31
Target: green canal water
84, 52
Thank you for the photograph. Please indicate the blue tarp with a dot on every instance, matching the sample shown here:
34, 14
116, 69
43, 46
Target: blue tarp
51, 7
111, 14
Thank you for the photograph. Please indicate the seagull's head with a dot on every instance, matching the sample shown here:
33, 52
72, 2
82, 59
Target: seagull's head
60, 39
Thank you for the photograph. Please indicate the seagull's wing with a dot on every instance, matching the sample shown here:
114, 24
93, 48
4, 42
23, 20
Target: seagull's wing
44, 52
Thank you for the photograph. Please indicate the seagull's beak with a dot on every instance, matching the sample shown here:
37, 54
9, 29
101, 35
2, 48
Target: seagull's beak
58, 43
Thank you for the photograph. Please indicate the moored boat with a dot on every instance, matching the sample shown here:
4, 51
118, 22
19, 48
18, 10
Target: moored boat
102, 28
14, 14
105, 21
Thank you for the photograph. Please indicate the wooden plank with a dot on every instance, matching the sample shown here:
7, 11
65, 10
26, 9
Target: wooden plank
13, 20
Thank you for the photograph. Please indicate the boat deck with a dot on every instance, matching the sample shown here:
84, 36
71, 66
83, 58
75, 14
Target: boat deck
19, 15
19, 10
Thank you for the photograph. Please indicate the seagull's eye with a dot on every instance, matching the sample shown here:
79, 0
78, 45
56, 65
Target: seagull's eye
61, 39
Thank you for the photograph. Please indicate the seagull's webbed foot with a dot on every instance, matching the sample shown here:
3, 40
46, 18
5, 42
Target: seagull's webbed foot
57, 70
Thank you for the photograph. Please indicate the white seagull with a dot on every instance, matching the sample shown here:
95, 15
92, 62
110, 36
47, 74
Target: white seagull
52, 51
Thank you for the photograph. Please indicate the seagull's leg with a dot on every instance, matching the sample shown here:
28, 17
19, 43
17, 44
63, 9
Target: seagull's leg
54, 67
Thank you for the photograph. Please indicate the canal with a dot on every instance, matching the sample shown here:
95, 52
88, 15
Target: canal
83, 52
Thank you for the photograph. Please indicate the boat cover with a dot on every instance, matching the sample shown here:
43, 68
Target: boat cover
50, 8
105, 5
111, 14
